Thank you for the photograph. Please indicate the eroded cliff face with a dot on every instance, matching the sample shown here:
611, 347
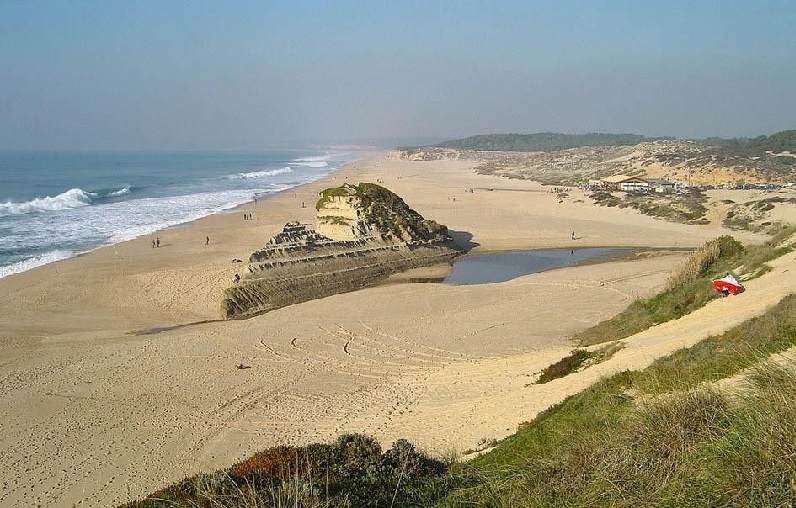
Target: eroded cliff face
364, 234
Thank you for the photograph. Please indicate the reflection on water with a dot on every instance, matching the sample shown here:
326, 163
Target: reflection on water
505, 266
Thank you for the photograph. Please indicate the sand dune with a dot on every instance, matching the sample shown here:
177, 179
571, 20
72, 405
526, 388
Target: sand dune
117, 375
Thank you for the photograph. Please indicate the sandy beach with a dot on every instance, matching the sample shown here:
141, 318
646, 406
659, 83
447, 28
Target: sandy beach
117, 373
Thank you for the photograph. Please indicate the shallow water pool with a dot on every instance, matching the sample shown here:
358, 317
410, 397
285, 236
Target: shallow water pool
503, 266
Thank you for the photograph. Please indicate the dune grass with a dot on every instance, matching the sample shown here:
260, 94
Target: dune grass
662, 436
689, 286
579, 359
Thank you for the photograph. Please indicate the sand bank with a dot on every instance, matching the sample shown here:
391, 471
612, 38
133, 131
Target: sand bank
118, 376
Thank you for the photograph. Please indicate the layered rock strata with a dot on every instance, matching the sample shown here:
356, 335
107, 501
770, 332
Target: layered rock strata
364, 234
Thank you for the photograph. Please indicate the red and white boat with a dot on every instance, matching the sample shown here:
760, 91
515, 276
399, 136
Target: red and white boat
728, 285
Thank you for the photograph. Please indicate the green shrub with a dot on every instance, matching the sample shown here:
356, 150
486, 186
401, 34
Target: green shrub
352, 472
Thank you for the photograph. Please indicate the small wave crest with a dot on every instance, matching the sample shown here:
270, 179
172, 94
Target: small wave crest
311, 164
73, 198
314, 158
261, 174
120, 192
30, 263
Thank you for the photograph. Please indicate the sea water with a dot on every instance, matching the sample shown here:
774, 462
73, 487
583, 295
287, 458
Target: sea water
55, 205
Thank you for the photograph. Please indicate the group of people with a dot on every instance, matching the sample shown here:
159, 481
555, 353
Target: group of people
247, 216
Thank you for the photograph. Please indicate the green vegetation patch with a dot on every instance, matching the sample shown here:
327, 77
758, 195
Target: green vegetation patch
723, 356
687, 208
542, 141
751, 216
578, 360
689, 289
326, 195
353, 471
334, 219
783, 141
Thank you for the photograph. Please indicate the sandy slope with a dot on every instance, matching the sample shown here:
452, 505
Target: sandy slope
108, 391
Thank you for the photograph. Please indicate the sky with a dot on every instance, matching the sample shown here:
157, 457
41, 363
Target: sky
243, 75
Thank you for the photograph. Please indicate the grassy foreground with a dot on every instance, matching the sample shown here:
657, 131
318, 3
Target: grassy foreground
710, 425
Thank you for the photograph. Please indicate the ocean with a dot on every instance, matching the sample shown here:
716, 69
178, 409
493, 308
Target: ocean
56, 205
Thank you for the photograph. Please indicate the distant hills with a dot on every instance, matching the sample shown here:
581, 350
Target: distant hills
783, 141
551, 141
541, 142
568, 159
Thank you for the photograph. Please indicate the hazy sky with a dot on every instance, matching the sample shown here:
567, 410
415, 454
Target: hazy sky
253, 74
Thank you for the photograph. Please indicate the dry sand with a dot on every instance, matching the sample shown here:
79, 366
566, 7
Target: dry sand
117, 376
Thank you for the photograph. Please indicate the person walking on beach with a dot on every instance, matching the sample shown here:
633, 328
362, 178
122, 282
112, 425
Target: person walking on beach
573, 235
207, 240
157, 241
153, 244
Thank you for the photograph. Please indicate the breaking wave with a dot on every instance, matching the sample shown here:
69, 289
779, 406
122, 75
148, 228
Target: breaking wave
261, 174
311, 164
73, 198
314, 158
120, 192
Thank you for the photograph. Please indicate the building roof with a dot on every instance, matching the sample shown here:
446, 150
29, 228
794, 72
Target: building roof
622, 179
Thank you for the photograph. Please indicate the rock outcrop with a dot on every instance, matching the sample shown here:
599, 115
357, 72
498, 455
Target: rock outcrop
364, 233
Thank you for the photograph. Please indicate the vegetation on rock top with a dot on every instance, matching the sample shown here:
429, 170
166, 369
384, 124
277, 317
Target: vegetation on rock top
385, 211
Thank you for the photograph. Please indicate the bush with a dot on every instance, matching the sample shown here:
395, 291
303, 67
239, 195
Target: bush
352, 471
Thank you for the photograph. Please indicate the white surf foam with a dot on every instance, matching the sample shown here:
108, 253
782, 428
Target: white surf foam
314, 158
30, 263
77, 227
261, 174
310, 164
73, 198
120, 192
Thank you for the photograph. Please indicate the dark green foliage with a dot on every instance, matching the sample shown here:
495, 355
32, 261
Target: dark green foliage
542, 142
352, 472
778, 142
605, 198
564, 366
